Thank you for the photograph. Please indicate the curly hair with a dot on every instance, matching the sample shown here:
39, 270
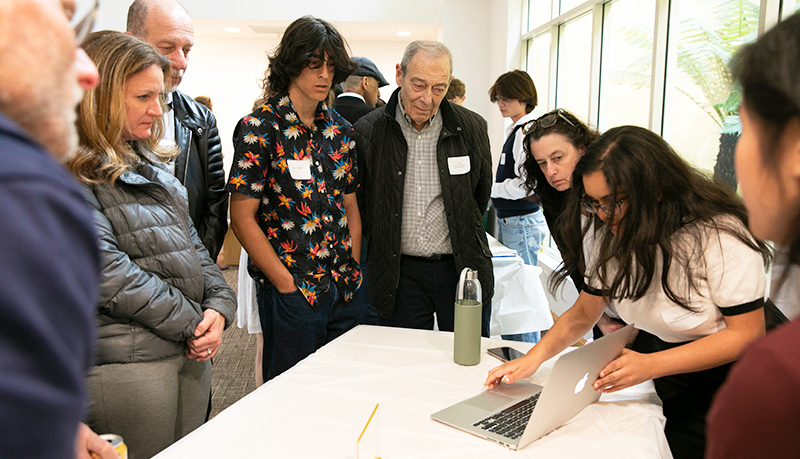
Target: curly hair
578, 134
305, 38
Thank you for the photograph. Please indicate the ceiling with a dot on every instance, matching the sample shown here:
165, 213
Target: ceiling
352, 31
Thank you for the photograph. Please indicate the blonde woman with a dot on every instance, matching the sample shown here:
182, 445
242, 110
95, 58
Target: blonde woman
163, 302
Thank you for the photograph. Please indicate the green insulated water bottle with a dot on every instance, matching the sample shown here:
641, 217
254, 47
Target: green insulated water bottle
468, 313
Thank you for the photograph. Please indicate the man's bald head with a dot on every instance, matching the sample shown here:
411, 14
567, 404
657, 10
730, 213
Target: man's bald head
166, 25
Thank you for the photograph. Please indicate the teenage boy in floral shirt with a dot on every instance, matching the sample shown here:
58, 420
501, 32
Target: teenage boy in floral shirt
293, 201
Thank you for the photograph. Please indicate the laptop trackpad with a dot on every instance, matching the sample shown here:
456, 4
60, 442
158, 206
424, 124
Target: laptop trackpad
489, 401
502, 395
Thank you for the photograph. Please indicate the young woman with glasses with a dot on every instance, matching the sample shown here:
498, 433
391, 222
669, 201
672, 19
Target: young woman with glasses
673, 251
757, 411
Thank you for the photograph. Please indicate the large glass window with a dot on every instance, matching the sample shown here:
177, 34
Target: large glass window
626, 67
539, 12
539, 67
573, 82
701, 105
567, 5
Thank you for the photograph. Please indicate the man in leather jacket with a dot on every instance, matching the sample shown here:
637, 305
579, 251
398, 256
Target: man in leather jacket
166, 25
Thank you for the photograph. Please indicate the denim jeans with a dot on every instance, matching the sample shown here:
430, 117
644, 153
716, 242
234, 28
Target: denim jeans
523, 233
293, 330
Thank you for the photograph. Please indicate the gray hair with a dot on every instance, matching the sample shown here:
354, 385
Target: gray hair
352, 82
137, 14
433, 49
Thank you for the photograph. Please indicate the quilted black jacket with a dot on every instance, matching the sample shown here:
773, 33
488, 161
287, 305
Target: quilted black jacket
199, 169
382, 151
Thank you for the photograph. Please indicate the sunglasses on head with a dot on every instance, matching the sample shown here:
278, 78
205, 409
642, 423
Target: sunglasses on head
546, 121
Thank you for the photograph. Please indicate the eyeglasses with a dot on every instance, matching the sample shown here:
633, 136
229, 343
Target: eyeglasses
502, 100
546, 121
315, 62
609, 208
82, 21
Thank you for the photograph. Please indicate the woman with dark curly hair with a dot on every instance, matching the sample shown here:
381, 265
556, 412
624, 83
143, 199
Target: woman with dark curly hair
673, 251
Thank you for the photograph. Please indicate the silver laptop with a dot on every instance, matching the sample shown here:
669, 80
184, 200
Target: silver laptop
515, 415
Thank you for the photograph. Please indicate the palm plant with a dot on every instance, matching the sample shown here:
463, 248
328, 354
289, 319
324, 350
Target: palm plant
705, 44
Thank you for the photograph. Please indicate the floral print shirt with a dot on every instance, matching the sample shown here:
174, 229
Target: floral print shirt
301, 175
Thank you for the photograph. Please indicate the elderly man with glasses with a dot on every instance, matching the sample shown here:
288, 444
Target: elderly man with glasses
50, 258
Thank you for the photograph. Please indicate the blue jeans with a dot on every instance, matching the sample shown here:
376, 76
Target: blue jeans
293, 330
525, 234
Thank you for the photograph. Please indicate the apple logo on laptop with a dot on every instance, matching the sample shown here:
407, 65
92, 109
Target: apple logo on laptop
581, 384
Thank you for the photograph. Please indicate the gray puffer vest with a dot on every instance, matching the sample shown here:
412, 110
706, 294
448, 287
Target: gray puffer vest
157, 278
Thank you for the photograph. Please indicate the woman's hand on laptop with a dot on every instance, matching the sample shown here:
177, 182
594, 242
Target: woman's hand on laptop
627, 370
511, 371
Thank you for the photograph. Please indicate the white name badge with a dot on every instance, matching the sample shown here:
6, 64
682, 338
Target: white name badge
502, 159
458, 165
680, 319
299, 169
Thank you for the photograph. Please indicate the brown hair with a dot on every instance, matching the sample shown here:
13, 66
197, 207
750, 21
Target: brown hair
518, 85
103, 155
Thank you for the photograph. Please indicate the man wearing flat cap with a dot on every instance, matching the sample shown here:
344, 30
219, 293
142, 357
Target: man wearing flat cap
361, 91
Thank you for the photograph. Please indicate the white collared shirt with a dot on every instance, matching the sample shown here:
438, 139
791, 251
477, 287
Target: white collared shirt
352, 94
168, 141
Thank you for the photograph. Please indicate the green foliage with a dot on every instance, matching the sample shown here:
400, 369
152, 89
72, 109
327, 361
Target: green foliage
705, 48
709, 35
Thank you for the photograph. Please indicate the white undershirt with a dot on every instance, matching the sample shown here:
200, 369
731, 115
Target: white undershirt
168, 141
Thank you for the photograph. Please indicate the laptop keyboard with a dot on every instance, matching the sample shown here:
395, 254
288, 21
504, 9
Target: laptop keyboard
510, 422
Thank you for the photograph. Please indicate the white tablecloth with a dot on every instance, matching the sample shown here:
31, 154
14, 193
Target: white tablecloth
318, 408
520, 303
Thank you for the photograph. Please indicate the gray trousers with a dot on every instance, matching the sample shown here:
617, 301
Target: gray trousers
152, 404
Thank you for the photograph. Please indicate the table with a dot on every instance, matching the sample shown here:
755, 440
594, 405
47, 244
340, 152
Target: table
318, 408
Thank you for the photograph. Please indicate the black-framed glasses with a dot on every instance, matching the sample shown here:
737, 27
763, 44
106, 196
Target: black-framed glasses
546, 121
609, 208
316, 62
83, 20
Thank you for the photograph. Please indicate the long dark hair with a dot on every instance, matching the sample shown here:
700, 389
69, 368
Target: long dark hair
665, 195
578, 134
768, 72
304, 38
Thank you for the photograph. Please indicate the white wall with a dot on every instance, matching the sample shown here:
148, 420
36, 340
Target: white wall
228, 69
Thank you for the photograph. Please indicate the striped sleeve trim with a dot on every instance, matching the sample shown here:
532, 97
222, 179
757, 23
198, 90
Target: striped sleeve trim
742, 308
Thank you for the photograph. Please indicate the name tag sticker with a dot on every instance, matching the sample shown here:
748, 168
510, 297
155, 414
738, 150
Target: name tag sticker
502, 159
680, 319
458, 165
299, 169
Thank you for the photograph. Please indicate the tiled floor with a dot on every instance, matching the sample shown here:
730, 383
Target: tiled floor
232, 375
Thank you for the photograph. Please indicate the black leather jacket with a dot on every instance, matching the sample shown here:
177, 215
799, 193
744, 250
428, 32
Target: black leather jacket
199, 169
